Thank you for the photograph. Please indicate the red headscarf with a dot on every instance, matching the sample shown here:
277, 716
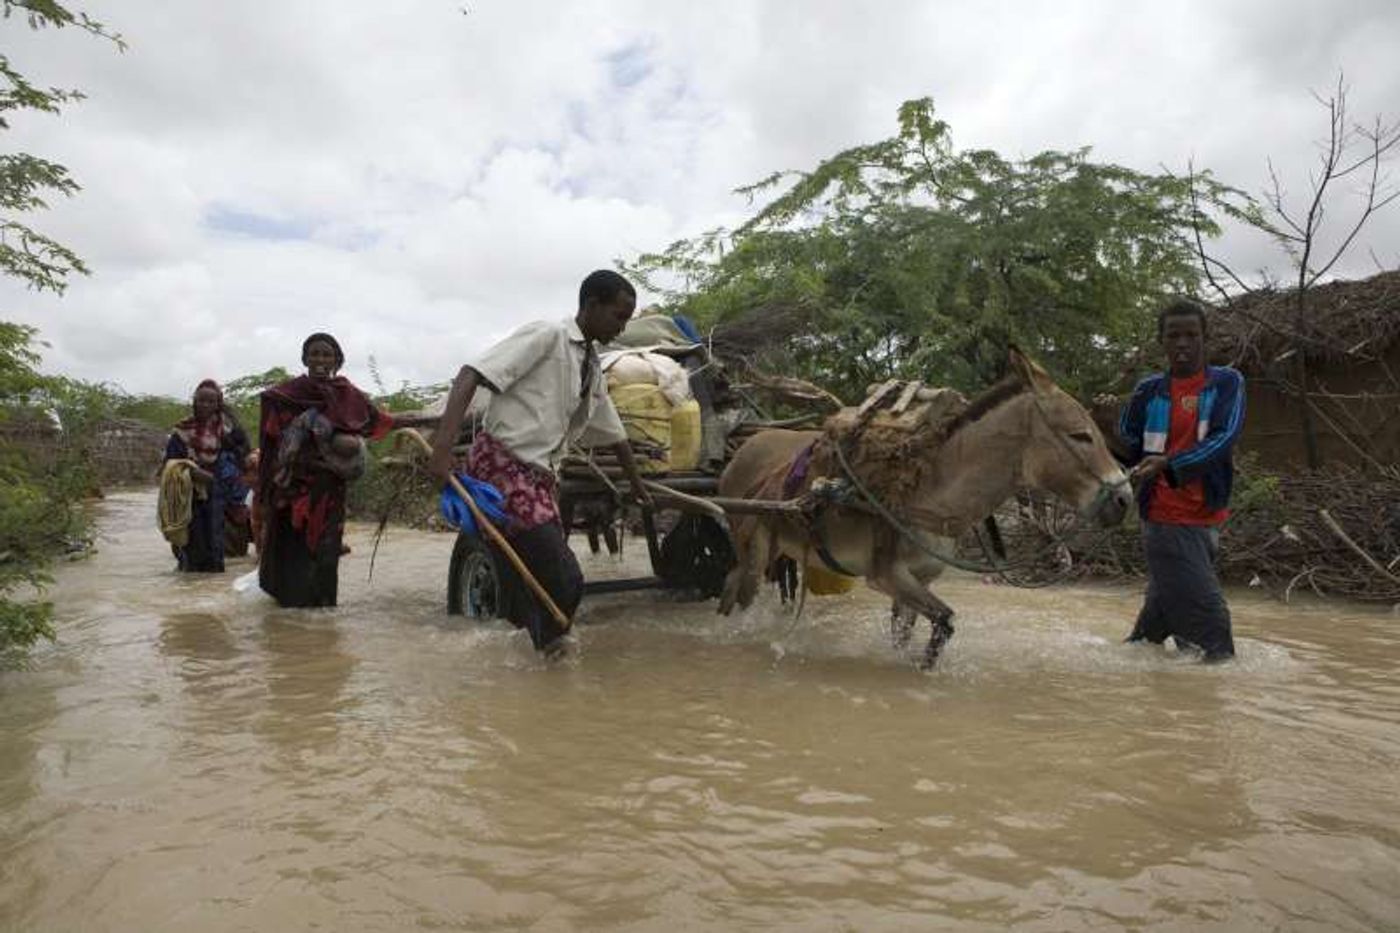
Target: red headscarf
346, 407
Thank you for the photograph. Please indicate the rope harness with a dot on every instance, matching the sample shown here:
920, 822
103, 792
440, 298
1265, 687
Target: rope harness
839, 493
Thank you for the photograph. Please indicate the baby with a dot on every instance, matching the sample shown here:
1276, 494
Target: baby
342, 453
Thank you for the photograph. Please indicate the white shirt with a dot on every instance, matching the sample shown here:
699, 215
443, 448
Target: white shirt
539, 406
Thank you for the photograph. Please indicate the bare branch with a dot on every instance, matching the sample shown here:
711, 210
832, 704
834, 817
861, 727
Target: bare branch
1336, 116
1196, 215
1239, 282
1375, 201
1382, 138
1380, 266
1275, 199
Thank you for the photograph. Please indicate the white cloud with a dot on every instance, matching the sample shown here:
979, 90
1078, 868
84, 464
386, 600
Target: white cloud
418, 180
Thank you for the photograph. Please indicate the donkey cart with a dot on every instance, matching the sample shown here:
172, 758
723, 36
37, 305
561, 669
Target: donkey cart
691, 557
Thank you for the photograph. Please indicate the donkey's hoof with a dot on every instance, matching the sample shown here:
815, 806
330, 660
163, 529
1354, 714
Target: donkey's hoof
901, 630
936, 641
930, 656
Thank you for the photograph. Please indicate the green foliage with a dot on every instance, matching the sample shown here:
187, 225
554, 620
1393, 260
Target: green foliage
163, 411
26, 181
244, 389
410, 397
42, 484
18, 379
21, 625
395, 492
159, 411
392, 491
910, 258
1255, 489
241, 395
406, 397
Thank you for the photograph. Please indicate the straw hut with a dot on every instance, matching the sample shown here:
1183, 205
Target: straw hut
126, 451
1322, 373
122, 451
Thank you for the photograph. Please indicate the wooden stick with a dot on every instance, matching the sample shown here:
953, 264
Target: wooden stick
759, 506
877, 397
693, 503
910, 390
496, 538
602, 475
1346, 539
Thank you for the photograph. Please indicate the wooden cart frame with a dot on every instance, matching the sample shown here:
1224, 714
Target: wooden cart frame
690, 558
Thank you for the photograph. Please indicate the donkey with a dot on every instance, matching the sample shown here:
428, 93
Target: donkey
1023, 432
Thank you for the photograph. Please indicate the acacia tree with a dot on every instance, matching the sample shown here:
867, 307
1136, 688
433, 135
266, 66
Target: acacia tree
910, 258
38, 516
41, 484
26, 180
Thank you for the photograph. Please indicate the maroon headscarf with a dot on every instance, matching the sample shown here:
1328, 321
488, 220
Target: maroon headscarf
346, 407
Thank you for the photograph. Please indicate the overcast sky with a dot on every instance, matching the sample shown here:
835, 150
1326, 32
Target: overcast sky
420, 176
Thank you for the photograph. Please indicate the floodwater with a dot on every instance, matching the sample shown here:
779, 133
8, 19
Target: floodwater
191, 758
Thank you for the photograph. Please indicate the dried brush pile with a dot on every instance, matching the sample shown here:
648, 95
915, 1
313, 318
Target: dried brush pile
1334, 531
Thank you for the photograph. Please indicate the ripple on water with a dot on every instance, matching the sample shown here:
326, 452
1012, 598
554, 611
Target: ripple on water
191, 757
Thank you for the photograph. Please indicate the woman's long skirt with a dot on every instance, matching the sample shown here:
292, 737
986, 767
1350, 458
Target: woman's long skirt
294, 570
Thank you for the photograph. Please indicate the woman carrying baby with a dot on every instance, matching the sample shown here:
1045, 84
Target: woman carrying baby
312, 432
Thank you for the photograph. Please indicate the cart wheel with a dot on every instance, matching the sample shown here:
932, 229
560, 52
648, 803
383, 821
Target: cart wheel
473, 587
696, 555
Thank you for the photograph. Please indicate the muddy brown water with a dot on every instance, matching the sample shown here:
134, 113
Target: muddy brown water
191, 758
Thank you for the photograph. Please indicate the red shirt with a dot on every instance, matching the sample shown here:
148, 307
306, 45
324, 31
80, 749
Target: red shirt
1184, 504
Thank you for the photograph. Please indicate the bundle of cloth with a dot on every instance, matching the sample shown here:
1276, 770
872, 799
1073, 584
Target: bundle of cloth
653, 397
643, 366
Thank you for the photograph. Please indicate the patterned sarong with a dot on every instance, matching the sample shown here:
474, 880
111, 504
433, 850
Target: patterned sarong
531, 493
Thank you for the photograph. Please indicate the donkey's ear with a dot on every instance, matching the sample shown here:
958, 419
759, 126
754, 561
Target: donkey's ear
1029, 372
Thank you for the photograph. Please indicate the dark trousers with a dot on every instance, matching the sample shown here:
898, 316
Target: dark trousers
1184, 599
294, 574
547, 554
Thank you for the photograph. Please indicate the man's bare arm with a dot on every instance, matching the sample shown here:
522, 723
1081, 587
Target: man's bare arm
458, 400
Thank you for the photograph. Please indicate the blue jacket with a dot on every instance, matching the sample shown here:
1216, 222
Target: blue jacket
1220, 413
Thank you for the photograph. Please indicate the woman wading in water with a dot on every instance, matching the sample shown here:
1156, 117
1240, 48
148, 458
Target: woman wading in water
312, 432
212, 439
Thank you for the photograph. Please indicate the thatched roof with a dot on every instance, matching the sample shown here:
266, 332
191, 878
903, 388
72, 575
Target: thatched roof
1357, 320
131, 432
32, 424
1346, 320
